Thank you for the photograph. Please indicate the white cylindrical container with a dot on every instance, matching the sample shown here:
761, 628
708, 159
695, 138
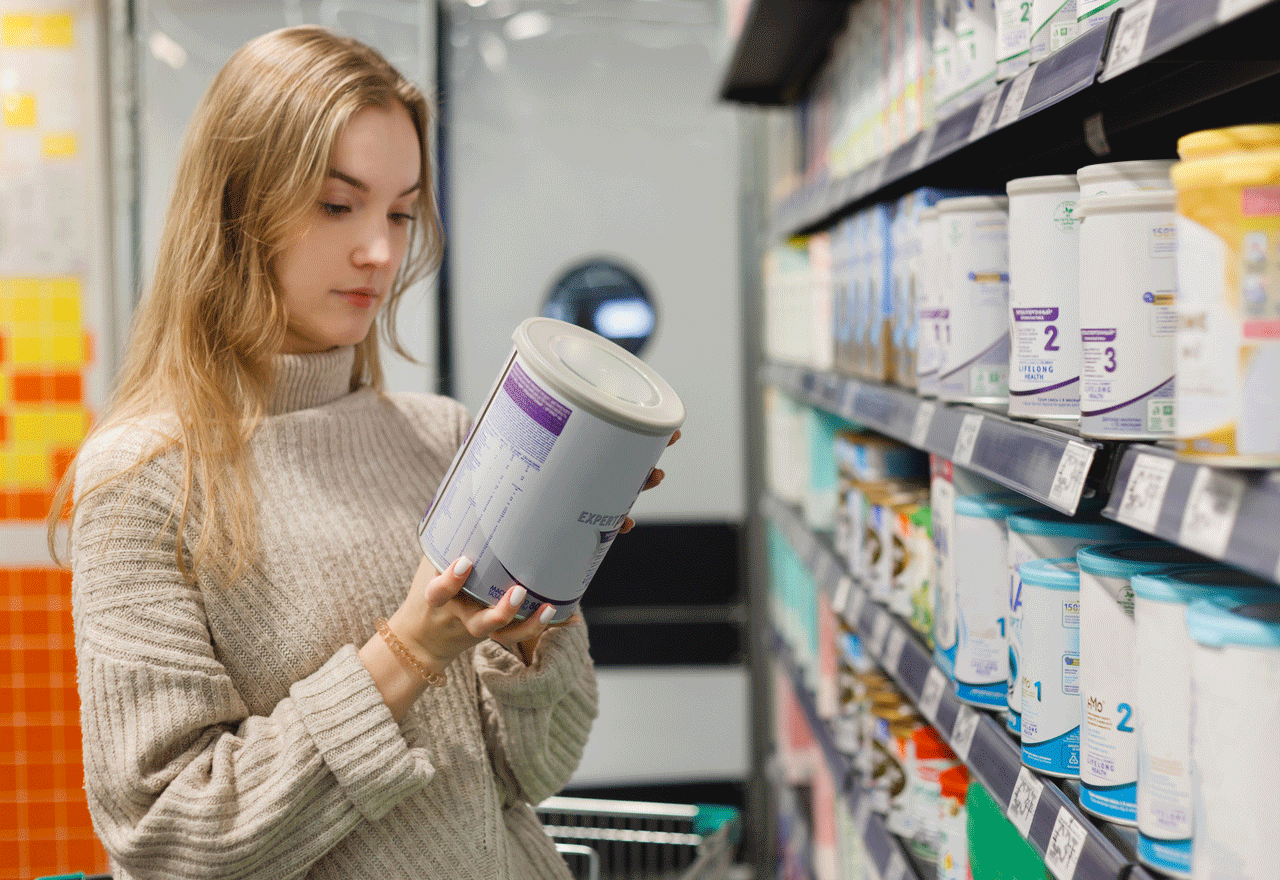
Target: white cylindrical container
931, 314
1043, 534
974, 233
1108, 731
945, 83
1092, 13
1113, 178
1128, 286
1053, 25
975, 46
1235, 682
981, 576
1051, 666
1163, 697
1013, 38
1044, 297
557, 456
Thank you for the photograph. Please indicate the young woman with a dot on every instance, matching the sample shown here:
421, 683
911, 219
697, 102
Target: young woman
274, 682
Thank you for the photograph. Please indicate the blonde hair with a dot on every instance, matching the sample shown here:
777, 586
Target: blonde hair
255, 158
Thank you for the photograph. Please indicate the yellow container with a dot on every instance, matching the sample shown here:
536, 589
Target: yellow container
1228, 337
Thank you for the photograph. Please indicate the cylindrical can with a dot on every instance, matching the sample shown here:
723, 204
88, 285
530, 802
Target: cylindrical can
981, 575
1044, 297
929, 757
975, 46
1053, 25
1228, 338
1162, 688
1127, 320
945, 84
1108, 732
1051, 666
1013, 38
1113, 178
974, 365
1043, 534
557, 456
953, 833
1235, 676
930, 309
1092, 13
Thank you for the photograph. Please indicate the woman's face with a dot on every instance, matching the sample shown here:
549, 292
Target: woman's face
337, 272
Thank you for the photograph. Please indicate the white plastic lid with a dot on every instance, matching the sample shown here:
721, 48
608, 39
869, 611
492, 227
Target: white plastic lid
1048, 183
973, 203
1139, 171
1136, 200
598, 375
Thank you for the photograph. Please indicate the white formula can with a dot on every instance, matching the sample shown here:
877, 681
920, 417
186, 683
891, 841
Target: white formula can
1113, 178
975, 46
1013, 38
974, 336
981, 577
1092, 13
1044, 297
931, 313
1053, 25
1128, 287
557, 456
1108, 731
1235, 680
1043, 534
1164, 706
1051, 666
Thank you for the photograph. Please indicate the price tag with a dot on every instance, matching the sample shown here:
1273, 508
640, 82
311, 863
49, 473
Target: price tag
931, 694
1068, 480
967, 439
920, 426
1065, 844
856, 603
893, 647
1144, 492
1015, 94
1023, 801
840, 601
1130, 38
924, 147
1210, 514
848, 406
962, 732
897, 867
986, 113
879, 630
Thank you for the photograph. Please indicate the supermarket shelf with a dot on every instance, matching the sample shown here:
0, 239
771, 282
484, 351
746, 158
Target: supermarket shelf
883, 849
1052, 465
1043, 809
782, 45
1226, 514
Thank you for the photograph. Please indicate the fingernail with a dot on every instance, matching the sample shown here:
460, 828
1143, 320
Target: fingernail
516, 596
462, 566
546, 615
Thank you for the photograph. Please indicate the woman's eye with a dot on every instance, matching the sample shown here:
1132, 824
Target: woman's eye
332, 209
402, 219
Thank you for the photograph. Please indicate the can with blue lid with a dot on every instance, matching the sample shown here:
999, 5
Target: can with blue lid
1051, 666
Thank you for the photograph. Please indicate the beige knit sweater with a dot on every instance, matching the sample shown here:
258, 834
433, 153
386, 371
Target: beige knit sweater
231, 731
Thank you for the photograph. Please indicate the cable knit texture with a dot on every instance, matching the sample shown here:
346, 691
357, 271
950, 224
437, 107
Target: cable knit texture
230, 729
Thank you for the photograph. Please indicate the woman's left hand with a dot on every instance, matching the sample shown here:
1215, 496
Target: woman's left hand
655, 477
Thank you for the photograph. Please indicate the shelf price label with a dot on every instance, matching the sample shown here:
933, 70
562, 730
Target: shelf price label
920, 425
1014, 96
924, 147
931, 694
856, 603
896, 641
962, 732
1130, 38
1068, 480
1144, 491
1023, 801
879, 631
1210, 514
967, 438
840, 601
1065, 844
986, 113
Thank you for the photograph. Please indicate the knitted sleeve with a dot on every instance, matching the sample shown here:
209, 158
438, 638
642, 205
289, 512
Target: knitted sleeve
537, 717
181, 781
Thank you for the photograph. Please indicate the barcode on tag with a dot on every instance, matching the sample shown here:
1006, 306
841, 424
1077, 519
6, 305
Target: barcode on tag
1015, 94
1144, 491
1065, 844
967, 438
931, 694
1130, 38
1023, 801
896, 641
986, 113
879, 630
1210, 514
962, 732
840, 601
920, 426
897, 867
1068, 480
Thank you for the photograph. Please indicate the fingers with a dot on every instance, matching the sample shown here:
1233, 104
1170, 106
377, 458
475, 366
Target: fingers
674, 437
655, 477
627, 525
445, 585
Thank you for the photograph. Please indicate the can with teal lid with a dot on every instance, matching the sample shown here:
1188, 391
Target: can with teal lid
1235, 680
1044, 534
1108, 733
1051, 666
1163, 701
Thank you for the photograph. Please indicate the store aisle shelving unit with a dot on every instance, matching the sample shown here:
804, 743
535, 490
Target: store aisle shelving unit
1126, 90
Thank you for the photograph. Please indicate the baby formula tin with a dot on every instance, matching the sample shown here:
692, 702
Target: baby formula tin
1235, 679
557, 456
929, 757
1044, 297
1013, 38
1108, 731
1228, 338
1127, 319
953, 834
975, 46
1162, 688
1053, 25
1043, 534
1051, 666
1113, 178
974, 336
981, 577
930, 308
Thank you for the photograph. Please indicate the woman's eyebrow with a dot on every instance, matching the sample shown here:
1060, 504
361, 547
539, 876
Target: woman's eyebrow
362, 186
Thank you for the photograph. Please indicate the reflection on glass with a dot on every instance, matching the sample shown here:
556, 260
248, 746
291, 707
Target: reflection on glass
606, 299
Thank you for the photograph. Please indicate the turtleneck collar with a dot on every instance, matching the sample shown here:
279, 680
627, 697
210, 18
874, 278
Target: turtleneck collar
306, 381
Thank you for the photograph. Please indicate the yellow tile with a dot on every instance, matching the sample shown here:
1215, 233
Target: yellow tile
67, 350
26, 426
63, 426
67, 285
28, 350
19, 110
25, 309
60, 146
17, 30
19, 287
56, 30
29, 469
65, 309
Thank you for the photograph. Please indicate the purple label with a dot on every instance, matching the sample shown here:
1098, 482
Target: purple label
1045, 313
536, 403
1094, 334
935, 314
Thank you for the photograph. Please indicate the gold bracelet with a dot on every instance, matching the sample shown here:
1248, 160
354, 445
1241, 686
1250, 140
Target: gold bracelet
398, 648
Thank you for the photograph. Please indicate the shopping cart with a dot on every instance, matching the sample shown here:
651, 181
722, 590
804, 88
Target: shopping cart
638, 840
